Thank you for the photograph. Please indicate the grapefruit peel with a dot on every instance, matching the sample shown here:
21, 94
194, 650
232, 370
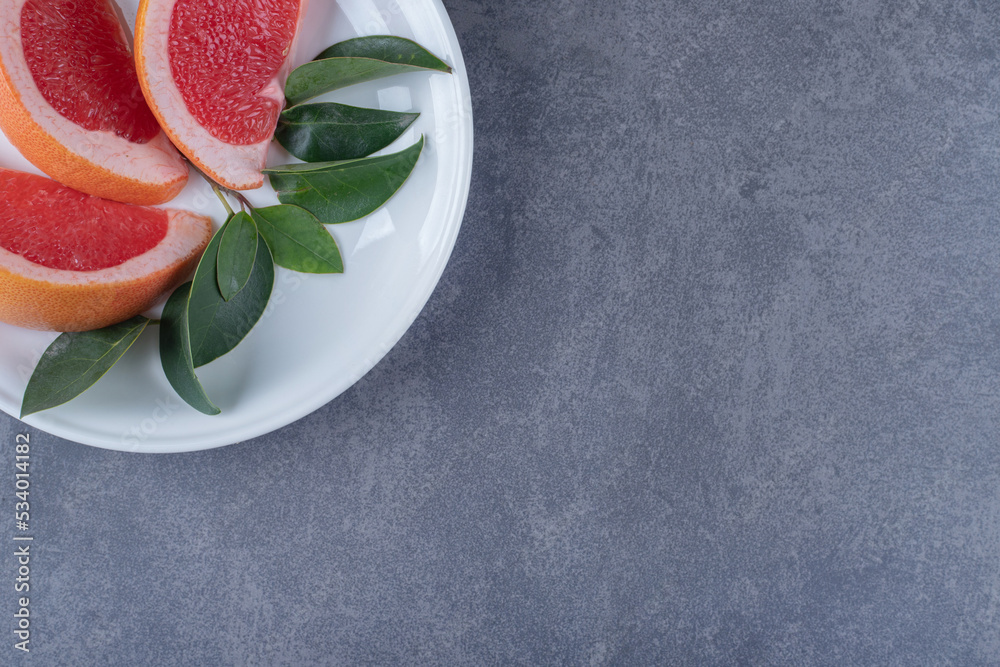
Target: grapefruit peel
47, 292
233, 166
41, 298
209, 316
97, 162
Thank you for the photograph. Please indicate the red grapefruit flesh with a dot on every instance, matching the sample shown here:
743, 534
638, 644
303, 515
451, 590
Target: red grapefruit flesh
74, 262
213, 72
78, 58
71, 103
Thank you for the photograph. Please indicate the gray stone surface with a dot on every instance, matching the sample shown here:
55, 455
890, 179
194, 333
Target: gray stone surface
713, 377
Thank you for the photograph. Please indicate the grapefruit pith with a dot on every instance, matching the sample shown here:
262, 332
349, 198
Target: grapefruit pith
73, 262
71, 103
213, 72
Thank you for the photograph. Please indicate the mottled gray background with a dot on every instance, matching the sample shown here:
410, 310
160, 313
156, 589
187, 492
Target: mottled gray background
713, 377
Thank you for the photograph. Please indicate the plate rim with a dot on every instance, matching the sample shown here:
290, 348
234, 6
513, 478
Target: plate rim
401, 322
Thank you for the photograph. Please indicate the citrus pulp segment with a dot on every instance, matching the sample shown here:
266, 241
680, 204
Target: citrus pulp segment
73, 262
70, 102
213, 72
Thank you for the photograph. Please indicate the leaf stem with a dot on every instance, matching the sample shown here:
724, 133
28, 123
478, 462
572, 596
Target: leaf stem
244, 202
222, 198
219, 189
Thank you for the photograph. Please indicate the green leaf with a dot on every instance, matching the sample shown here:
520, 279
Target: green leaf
356, 61
175, 352
327, 132
343, 191
237, 251
75, 361
217, 325
387, 48
297, 240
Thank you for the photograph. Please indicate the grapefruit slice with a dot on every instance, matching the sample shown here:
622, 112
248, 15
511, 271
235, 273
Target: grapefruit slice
213, 72
71, 103
73, 262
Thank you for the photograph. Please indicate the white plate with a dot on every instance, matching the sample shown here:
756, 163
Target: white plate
320, 334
